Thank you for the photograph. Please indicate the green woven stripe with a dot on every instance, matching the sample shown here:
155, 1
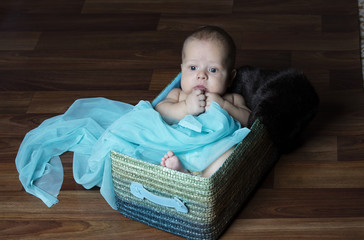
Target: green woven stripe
159, 177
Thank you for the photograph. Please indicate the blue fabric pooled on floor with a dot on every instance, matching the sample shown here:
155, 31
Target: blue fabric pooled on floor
78, 130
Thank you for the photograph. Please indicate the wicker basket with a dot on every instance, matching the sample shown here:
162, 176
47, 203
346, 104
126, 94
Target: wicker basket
193, 207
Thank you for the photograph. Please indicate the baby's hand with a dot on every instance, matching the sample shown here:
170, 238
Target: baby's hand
196, 102
213, 97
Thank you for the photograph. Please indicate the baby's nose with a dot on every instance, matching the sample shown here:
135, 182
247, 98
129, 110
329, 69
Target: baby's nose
202, 75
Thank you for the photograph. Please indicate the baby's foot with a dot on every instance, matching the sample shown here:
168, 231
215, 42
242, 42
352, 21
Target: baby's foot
170, 160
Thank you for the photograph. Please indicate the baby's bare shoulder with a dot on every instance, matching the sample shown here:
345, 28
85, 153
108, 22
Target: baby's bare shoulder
175, 91
235, 99
174, 95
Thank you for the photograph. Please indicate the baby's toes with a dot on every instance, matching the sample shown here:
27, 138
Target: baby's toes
169, 154
163, 161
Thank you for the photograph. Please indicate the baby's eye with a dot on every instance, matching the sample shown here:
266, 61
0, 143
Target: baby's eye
213, 70
193, 68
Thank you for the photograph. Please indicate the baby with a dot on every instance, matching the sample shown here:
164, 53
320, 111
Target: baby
208, 58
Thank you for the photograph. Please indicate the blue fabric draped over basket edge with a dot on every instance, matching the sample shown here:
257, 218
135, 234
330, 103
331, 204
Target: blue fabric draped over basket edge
91, 129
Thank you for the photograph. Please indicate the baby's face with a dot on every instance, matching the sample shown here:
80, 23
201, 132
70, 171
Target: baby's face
204, 67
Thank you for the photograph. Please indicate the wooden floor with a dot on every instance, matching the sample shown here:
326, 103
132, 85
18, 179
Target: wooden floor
54, 52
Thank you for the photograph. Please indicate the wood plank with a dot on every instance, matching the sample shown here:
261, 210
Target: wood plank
106, 40
304, 203
40, 80
346, 79
306, 60
315, 148
344, 104
73, 205
77, 22
242, 22
299, 41
319, 174
162, 6
339, 116
351, 148
9, 180
264, 59
14, 101
8, 150
17, 125
295, 7
340, 23
18, 40
65, 229
41, 6
117, 59
296, 228
162, 77
319, 78
341, 125
60, 101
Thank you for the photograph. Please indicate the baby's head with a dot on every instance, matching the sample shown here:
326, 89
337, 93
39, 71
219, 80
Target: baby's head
208, 59
219, 36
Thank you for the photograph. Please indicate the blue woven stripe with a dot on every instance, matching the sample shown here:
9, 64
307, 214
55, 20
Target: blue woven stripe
168, 222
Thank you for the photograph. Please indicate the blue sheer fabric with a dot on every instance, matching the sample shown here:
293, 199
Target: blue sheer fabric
196, 140
92, 127
78, 130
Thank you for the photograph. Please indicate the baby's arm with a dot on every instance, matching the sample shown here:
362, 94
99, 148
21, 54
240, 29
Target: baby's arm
233, 103
177, 105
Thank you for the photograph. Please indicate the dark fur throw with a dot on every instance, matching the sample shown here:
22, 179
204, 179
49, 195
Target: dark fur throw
284, 101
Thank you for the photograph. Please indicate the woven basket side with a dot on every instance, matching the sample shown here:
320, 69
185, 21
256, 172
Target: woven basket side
242, 172
211, 201
163, 182
168, 222
160, 178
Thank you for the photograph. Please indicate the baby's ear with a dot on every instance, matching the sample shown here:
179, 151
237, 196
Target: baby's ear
232, 76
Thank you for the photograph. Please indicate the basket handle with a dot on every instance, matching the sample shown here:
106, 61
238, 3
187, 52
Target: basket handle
139, 191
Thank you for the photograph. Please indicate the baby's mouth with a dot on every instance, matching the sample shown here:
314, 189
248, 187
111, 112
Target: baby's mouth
200, 87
